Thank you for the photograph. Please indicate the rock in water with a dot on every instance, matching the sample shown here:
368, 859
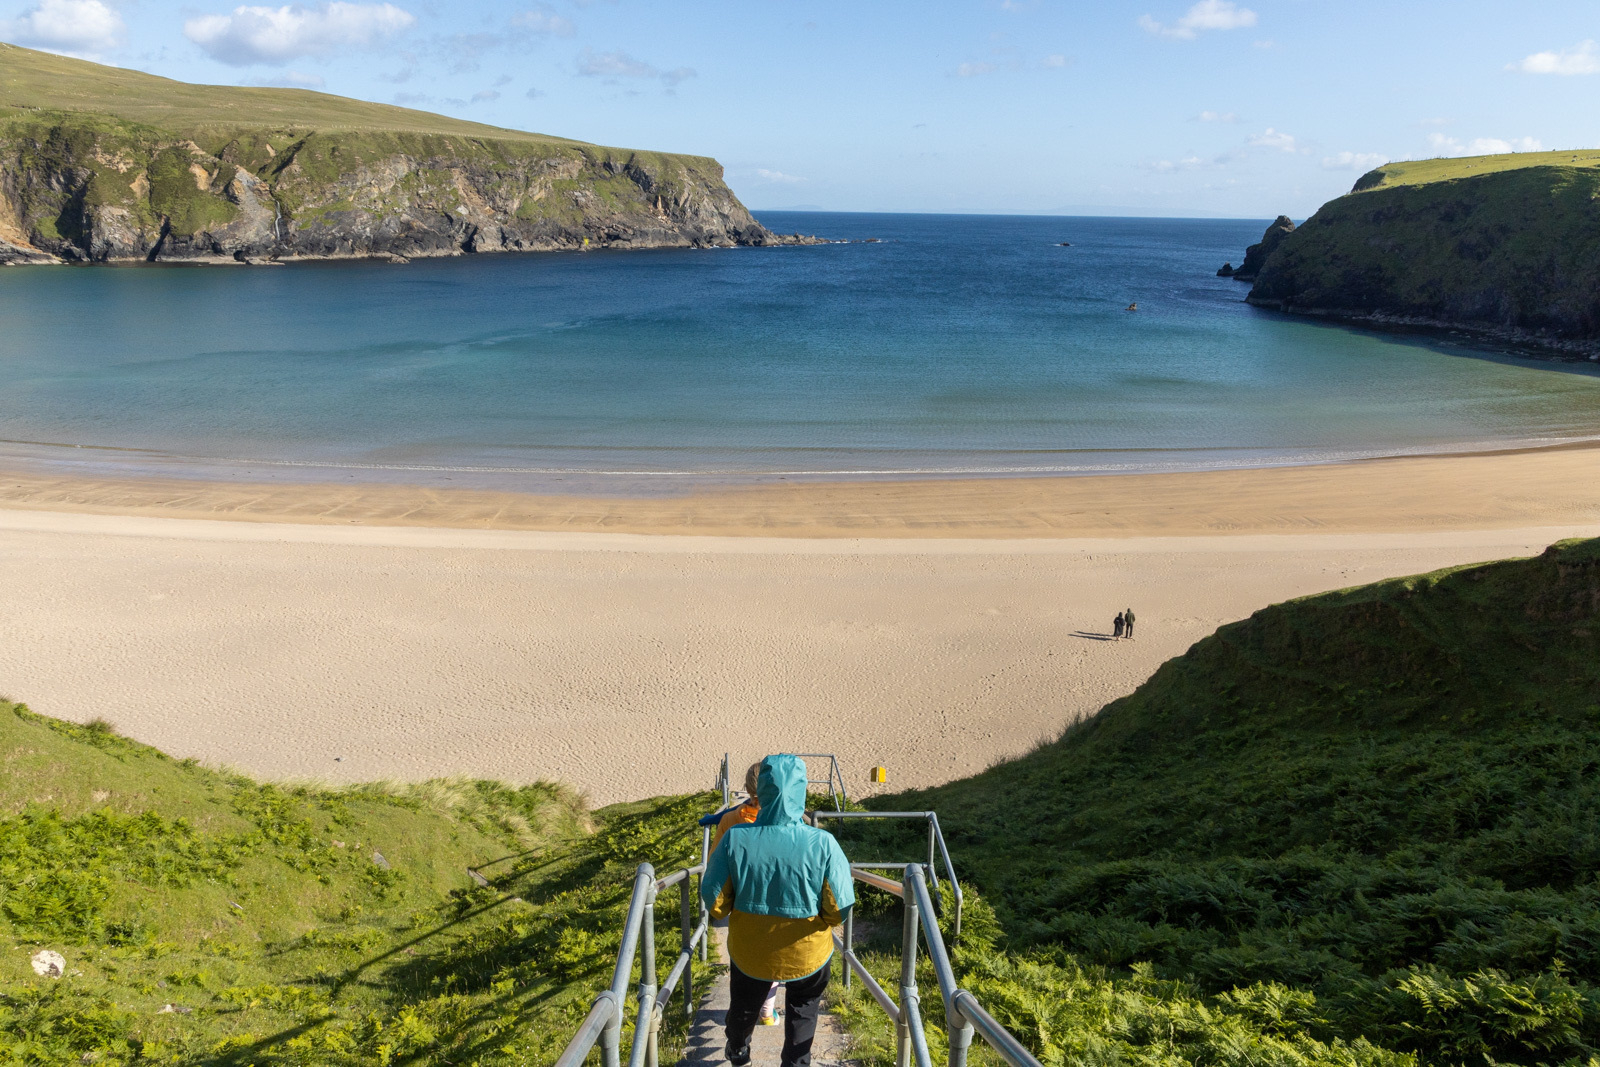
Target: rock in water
1226, 270
48, 964
1256, 255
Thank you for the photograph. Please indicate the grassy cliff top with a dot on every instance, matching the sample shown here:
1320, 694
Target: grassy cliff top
42, 81
1424, 171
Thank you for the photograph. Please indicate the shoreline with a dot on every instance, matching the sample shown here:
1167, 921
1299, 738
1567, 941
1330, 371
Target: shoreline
1557, 484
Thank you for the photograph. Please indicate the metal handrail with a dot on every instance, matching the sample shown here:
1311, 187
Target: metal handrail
964, 1016
603, 1024
834, 781
937, 850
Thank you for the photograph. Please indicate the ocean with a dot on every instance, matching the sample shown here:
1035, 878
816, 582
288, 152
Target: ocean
949, 345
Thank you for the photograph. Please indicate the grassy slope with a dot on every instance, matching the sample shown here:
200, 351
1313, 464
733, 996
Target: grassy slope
1371, 815
1424, 171
262, 916
1514, 247
40, 80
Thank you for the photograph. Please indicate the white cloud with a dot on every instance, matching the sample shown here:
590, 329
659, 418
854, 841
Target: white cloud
613, 65
1206, 15
975, 70
777, 176
1053, 61
1216, 116
1283, 142
76, 26
544, 22
279, 34
1362, 161
485, 94
1482, 146
1583, 58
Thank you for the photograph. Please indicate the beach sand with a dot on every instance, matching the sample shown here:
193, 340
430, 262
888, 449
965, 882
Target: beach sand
626, 664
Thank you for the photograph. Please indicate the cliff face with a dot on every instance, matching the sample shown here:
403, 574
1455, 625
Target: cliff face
83, 187
1256, 255
1510, 252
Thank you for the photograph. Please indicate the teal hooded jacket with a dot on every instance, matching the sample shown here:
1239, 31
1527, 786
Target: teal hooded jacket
783, 884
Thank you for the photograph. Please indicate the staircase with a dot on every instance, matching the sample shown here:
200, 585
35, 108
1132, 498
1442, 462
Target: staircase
706, 1039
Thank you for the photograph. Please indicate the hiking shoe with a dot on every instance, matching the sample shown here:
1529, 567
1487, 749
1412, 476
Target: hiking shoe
739, 1057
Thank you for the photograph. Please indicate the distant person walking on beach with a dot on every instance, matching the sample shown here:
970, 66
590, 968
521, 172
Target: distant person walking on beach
1116, 625
1127, 623
783, 887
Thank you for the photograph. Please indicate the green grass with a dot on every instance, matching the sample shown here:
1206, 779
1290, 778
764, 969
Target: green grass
261, 914
1425, 171
1357, 827
42, 81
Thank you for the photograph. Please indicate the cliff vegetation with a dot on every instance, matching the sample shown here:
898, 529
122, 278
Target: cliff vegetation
99, 164
1507, 246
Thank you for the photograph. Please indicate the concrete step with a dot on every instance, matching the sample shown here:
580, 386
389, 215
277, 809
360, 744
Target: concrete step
707, 1040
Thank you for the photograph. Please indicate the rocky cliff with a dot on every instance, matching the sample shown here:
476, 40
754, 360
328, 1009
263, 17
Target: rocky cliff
152, 177
1510, 251
1256, 255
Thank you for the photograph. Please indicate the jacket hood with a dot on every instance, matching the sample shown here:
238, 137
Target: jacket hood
781, 788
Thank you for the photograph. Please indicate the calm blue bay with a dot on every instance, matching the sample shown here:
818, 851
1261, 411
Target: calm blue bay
956, 344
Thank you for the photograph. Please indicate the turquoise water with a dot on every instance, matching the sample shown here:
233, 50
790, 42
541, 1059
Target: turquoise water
956, 344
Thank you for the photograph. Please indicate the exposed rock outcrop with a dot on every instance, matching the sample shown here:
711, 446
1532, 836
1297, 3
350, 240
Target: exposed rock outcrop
1256, 255
94, 188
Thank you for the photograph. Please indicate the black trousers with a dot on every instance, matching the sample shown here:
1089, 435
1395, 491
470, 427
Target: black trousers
802, 999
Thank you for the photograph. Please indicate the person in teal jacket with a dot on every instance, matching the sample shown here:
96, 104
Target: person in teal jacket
783, 886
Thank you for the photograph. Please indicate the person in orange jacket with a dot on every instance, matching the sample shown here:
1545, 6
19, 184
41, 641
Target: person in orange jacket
741, 813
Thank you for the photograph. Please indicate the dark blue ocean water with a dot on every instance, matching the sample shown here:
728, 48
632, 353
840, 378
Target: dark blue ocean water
967, 344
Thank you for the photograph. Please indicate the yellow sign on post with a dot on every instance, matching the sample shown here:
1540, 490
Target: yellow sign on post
880, 775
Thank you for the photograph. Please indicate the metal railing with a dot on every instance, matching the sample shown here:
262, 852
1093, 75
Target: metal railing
963, 1015
603, 1024
936, 852
833, 781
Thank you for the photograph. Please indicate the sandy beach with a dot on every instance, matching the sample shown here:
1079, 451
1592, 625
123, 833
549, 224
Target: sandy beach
625, 664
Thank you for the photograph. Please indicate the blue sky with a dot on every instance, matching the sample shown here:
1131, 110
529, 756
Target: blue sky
1240, 108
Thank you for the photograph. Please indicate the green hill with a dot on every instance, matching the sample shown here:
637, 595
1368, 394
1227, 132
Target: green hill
1505, 245
209, 919
42, 81
1368, 816
1452, 168
102, 164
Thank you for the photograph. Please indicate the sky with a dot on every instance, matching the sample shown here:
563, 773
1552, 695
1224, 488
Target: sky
1221, 108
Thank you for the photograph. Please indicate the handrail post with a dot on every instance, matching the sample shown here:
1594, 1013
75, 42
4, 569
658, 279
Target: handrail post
960, 1041
849, 941
705, 861
685, 932
909, 1001
647, 986
611, 1040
